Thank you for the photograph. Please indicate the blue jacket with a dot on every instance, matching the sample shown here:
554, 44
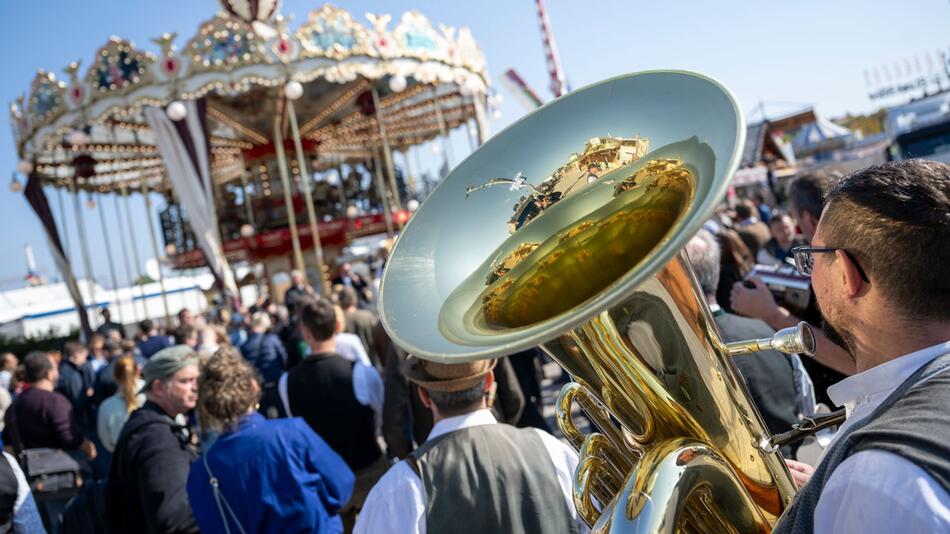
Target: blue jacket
276, 475
267, 354
154, 344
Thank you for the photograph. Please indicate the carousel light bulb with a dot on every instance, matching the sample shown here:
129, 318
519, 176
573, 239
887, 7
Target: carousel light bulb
412, 205
176, 111
293, 90
352, 212
472, 130
24, 166
472, 85
247, 230
15, 185
497, 99
77, 137
398, 83
434, 148
496, 114
170, 249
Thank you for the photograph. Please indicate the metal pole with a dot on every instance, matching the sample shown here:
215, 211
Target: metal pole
151, 231
343, 199
288, 199
481, 122
411, 184
247, 205
387, 153
305, 178
115, 282
381, 189
62, 216
135, 250
84, 250
125, 258
446, 148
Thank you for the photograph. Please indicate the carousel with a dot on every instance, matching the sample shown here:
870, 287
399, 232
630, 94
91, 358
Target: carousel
270, 145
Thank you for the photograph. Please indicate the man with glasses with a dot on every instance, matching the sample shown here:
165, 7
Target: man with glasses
878, 265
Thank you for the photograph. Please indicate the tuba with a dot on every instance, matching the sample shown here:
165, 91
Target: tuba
565, 231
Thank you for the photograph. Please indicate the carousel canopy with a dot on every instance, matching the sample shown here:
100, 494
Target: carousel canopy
92, 127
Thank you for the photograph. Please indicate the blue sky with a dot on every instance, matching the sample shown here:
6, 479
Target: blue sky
787, 54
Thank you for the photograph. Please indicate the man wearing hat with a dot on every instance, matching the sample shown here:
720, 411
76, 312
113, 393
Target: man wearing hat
146, 487
472, 474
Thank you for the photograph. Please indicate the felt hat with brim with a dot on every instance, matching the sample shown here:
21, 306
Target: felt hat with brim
437, 376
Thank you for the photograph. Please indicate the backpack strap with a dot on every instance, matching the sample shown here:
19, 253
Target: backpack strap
219, 500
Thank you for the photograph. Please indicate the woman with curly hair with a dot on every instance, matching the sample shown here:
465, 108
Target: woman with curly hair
260, 475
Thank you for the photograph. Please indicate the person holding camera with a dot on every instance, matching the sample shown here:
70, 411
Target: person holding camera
753, 298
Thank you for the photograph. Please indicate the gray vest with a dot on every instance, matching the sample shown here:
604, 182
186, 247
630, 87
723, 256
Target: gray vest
913, 422
491, 478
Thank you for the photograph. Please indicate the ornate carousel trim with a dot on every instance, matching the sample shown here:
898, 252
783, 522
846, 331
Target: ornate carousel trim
230, 56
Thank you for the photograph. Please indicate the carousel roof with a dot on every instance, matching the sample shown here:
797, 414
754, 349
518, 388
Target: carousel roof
92, 126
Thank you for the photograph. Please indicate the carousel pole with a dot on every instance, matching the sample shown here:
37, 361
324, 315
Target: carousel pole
410, 174
115, 282
306, 179
125, 260
446, 146
151, 231
387, 151
84, 250
343, 199
135, 250
62, 215
247, 205
381, 189
481, 120
288, 198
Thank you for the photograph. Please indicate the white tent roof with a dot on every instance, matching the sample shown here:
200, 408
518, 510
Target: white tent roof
817, 132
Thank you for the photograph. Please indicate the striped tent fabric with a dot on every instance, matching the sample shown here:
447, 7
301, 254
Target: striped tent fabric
185, 151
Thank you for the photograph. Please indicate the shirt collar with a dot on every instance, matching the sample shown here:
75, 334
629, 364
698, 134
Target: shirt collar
451, 424
884, 377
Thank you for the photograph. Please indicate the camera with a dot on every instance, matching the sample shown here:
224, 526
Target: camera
791, 289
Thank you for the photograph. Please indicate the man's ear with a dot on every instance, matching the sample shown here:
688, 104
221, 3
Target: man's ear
850, 277
424, 397
489, 380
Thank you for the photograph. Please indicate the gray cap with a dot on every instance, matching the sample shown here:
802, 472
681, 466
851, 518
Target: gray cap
167, 362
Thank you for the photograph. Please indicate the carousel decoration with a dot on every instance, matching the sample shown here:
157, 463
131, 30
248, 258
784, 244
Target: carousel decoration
303, 123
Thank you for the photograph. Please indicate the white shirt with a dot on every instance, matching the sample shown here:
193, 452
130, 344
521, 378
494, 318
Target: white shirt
367, 387
397, 502
350, 346
874, 491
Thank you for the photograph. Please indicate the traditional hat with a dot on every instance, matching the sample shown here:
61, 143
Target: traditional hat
437, 376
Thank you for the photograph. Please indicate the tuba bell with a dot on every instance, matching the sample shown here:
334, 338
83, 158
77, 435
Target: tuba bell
565, 231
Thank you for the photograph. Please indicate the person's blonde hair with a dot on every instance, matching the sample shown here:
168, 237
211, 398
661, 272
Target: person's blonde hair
227, 388
126, 371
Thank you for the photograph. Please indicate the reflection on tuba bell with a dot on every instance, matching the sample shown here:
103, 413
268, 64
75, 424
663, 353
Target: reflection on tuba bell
565, 232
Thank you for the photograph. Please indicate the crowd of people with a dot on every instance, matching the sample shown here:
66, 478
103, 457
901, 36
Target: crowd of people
303, 416
275, 417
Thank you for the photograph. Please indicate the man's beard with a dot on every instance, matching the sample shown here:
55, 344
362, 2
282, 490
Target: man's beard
843, 340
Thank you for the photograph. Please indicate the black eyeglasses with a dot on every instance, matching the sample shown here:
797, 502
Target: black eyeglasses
805, 261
